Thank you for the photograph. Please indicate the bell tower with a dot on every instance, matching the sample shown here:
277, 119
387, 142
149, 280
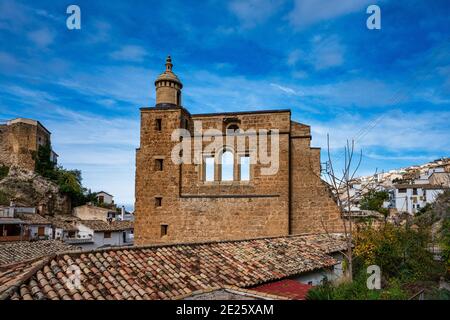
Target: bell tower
168, 87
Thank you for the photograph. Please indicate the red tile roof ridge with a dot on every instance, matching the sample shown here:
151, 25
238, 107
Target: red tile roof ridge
188, 276
23, 277
232, 289
193, 243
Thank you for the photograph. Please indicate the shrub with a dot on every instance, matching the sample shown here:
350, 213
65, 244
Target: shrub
373, 200
4, 170
69, 181
4, 198
399, 251
357, 290
445, 245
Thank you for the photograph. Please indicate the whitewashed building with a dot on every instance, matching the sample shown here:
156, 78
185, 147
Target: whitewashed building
105, 198
104, 234
411, 198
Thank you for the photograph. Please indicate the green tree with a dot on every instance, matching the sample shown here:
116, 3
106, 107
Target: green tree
374, 200
69, 181
445, 244
401, 252
4, 170
43, 164
4, 198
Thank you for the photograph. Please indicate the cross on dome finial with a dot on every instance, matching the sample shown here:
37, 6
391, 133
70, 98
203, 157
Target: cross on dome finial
169, 64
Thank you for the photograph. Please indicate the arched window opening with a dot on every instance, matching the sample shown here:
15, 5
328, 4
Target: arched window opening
209, 169
227, 162
244, 168
232, 128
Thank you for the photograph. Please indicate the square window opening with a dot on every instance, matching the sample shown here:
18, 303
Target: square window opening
164, 229
158, 124
159, 164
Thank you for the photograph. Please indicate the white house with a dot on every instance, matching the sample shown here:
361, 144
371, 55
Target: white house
105, 198
64, 227
411, 198
104, 234
91, 212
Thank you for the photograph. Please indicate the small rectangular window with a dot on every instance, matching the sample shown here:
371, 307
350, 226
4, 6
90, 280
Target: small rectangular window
158, 201
107, 234
209, 169
402, 190
414, 191
245, 168
164, 230
158, 124
159, 165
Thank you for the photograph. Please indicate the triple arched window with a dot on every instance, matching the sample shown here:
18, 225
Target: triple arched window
226, 166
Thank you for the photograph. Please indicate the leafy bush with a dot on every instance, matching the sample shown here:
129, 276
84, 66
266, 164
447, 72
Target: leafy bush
4, 170
399, 251
373, 200
69, 181
357, 290
403, 255
445, 244
4, 198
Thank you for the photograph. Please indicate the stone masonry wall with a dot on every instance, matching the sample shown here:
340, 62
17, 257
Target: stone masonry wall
197, 210
178, 200
313, 208
18, 142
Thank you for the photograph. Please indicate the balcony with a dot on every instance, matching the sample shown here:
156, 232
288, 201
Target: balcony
14, 238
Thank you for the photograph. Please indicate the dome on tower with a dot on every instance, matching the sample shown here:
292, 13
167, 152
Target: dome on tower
168, 74
168, 87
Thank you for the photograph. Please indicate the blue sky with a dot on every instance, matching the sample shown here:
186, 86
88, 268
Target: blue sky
389, 89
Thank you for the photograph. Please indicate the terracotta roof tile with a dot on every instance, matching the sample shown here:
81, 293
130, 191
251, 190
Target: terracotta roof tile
14, 252
99, 225
168, 271
33, 218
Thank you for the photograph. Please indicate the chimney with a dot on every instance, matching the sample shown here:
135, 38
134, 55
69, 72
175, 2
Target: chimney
122, 213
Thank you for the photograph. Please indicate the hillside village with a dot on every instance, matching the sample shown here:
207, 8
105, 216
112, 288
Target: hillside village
409, 189
34, 208
199, 232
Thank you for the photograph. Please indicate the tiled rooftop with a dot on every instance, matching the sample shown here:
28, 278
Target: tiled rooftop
64, 222
99, 225
287, 288
14, 252
11, 276
171, 271
231, 293
33, 218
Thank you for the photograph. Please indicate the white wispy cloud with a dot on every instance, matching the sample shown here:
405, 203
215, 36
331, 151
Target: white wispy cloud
254, 12
42, 38
286, 89
102, 31
393, 130
13, 15
321, 53
327, 53
125, 83
8, 61
309, 12
131, 53
413, 157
